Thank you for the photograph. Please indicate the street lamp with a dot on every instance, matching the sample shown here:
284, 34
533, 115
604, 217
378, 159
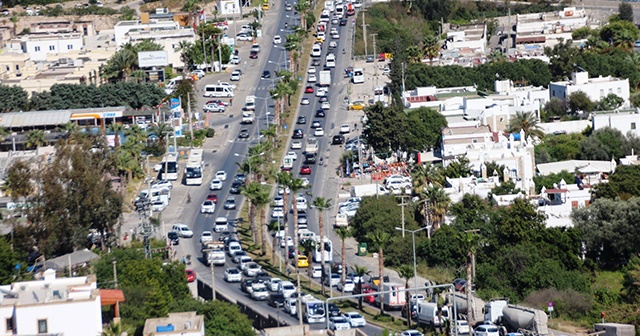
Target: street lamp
249, 156
413, 237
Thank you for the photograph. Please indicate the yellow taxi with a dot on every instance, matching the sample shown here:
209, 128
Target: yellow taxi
265, 6
303, 262
357, 105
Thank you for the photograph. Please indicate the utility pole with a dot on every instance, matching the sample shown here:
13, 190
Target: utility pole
213, 281
471, 312
190, 118
364, 32
115, 273
402, 205
375, 59
219, 53
404, 66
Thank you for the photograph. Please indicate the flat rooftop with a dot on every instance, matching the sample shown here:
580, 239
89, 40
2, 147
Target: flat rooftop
466, 130
174, 324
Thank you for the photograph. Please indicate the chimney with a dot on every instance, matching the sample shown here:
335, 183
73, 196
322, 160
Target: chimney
579, 78
49, 276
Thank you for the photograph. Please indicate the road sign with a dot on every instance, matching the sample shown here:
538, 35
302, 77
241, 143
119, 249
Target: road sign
550, 306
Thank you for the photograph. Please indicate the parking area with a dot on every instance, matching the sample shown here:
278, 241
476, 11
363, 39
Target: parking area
373, 78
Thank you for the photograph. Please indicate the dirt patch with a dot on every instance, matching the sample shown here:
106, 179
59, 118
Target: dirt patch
101, 22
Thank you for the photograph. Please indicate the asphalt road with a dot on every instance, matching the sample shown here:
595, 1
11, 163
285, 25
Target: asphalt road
270, 58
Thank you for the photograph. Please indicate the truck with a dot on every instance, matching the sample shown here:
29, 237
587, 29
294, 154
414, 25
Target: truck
429, 314
248, 117
461, 304
368, 190
312, 309
213, 253
311, 146
250, 103
393, 300
517, 318
324, 78
615, 329
341, 220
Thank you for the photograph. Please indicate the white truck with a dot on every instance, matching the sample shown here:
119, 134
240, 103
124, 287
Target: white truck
394, 300
429, 314
515, 318
248, 117
312, 146
341, 220
324, 78
250, 103
213, 253
368, 190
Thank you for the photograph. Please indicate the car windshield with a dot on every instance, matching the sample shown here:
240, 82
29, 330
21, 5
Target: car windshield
492, 330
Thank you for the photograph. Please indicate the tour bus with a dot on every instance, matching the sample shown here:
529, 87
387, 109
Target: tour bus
218, 91
193, 171
328, 250
169, 171
358, 76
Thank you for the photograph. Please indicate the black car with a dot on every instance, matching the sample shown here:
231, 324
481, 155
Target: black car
370, 59
301, 120
309, 158
414, 311
244, 134
291, 252
253, 55
315, 62
320, 113
174, 238
262, 277
236, 187
334, 310
297, 134
276, 300
246, 284
343, 22
337, 140
266, 74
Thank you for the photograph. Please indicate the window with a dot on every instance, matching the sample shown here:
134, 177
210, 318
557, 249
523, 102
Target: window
633, 125
610, 90
10, 324
601, 93
37, 48
52, 48
553, 93
17, 67
619, 90
42, 327
69, 46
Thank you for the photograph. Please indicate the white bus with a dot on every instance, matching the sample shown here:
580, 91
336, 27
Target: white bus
312, 310
218, 91
169, 171
193, 171
358, 76
328, 250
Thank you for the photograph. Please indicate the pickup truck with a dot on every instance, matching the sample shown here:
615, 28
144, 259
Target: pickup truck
312, 146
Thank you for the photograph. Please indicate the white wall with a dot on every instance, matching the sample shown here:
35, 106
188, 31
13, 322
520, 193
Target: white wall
5, 313
38, 48
624, 122
68, 318
228, 7
573, 126
595, 89
123, 27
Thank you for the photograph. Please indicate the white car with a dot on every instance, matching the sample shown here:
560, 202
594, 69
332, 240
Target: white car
208, 207
312, 78
182, 230
215, 184
277, 212
305, 101
287, 288
411, 332
158, 206
349, 201
288, 241
316, 272
274, 284
486, 330
296, 144
221, 175
333, 45
355, 319
243, 262
335, 35
259, 292
344, 128
206, 237
311, 70
235, 60
291, 155
277, 39
415, 298
348, 286
282, 191
339, 323
325, 106
463, 327
305, 182
162, 184
252, 269
321, 92
235, 76
318, 131
301, 203
232, 275
278, 201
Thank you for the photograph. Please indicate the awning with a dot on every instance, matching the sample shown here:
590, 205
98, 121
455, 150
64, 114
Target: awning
35, 118
109, 297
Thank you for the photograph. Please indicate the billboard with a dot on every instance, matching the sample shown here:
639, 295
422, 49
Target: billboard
153, 58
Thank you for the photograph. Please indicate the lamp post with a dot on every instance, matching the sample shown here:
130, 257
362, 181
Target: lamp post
249, 157
413, 237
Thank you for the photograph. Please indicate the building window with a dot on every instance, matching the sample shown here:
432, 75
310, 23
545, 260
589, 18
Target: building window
10, 324
37, 48
610, 90
8, 68
601, 93
17, 67
633, 125
42, 327
553, 93
69, 46
619, 90
52, 48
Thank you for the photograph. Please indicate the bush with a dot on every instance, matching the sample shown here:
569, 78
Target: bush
210, 132
567, 303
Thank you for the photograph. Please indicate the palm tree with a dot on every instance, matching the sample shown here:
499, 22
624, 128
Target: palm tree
284, 179
14, 20
360, 271
35, 139
302, 7
126, 163
71, 130
343, 233
414, 54
113, 329
431, 47
161, 130
424, 175
380, 239
406, 272
271, 134
251, 192
260, 201
273, 227
120, 65
527, 122
435, 205
469, 243
116, 129
184, 48
321, 205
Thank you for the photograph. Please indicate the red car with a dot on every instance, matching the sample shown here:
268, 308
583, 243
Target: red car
191, 275
305, 170
253, 55
212, 197
308, 89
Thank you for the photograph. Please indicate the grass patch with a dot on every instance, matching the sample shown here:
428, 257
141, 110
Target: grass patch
611, 281
438, 274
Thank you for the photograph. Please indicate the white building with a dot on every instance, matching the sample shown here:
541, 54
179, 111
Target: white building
38, 46
558, 203
595, 88
545, 29
624, 121
229, 7
168, 38
123, 27
51, 306
185, 324
467, 39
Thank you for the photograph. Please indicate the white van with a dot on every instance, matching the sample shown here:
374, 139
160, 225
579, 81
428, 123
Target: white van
218, 91
340, 11
329, 5
220, 224
306, 234
325, 16
172, 84
428, 313
331, 61
316, 50
250, 103
182, 230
